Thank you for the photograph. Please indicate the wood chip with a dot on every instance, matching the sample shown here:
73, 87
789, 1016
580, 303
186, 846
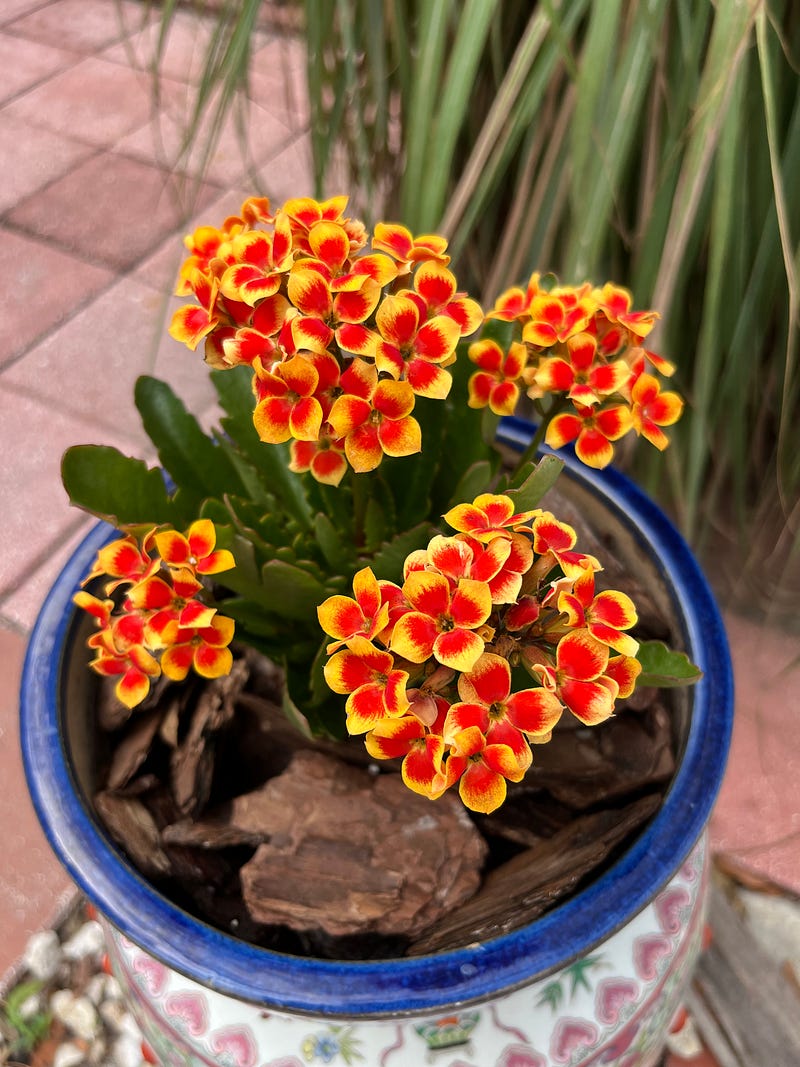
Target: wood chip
132, 826
133, 748
350, 852
534, 880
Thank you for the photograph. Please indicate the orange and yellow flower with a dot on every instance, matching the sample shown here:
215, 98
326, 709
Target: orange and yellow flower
495, 383
441, 623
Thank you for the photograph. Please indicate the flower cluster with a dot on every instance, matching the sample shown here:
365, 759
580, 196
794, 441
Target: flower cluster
581, 348
158, 622
494, 633
341, 341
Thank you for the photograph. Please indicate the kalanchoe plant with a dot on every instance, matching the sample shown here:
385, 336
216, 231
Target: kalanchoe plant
350, 430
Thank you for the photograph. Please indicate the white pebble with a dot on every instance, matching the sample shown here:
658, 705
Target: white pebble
87, 941
101, 988
76, 1013
67, 1055
114, 1014
96, 989
42, 955
30, 1006
97, 1051
130, 1027
127, 1051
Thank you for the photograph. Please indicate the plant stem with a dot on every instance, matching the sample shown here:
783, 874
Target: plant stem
545, 420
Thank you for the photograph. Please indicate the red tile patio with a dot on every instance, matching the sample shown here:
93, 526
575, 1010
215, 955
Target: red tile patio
91, 233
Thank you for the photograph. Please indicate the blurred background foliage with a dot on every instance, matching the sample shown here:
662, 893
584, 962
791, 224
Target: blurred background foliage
652, 142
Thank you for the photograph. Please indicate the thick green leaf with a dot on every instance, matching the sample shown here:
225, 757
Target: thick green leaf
376, 524
195, 462
388, 562
270, 461
339, 554
120, 489
663, 667
529, 486
251, 619
294, 592
475, 480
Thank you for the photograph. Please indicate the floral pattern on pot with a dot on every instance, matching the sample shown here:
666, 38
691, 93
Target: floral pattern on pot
611, 1008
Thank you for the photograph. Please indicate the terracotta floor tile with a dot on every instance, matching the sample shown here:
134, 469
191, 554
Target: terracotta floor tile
26, 63
35, 276
82, 25
36, 433
289, 174
32, 882
266, 135
39, 157
94, 101
111, 209
107, 346
20, 608
277, 77
14, 9
757, 816
160, 270
184, 50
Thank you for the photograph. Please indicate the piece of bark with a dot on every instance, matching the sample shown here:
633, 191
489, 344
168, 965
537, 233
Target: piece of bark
527, 817
349, 852
596, 765
134, 828
534, 880
133, 748
217, 830
192, 762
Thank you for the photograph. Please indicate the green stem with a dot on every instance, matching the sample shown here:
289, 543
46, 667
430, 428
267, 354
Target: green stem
545, 420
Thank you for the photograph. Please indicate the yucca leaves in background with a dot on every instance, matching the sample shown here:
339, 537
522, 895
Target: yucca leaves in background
655, 142
651, 142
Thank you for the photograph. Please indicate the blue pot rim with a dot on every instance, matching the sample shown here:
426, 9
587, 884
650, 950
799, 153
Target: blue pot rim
427, 983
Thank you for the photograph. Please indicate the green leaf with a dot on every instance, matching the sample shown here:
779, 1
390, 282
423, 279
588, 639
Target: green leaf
663, 667
529, 486
475, 480
120, 489
376, 525
338, 554
388, 562
250, 616
294, 714
270, 461
194, 461
294, 592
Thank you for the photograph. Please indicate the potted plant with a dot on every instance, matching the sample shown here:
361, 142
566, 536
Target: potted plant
363, 521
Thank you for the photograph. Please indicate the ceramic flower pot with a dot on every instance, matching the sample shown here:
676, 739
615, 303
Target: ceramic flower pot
595, 981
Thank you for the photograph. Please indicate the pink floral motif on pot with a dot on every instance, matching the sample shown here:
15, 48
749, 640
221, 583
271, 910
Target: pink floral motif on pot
612, 996
671, 906
520, 1056
648, 952
571, 1035
235, 1045
152, 974
189, 1011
